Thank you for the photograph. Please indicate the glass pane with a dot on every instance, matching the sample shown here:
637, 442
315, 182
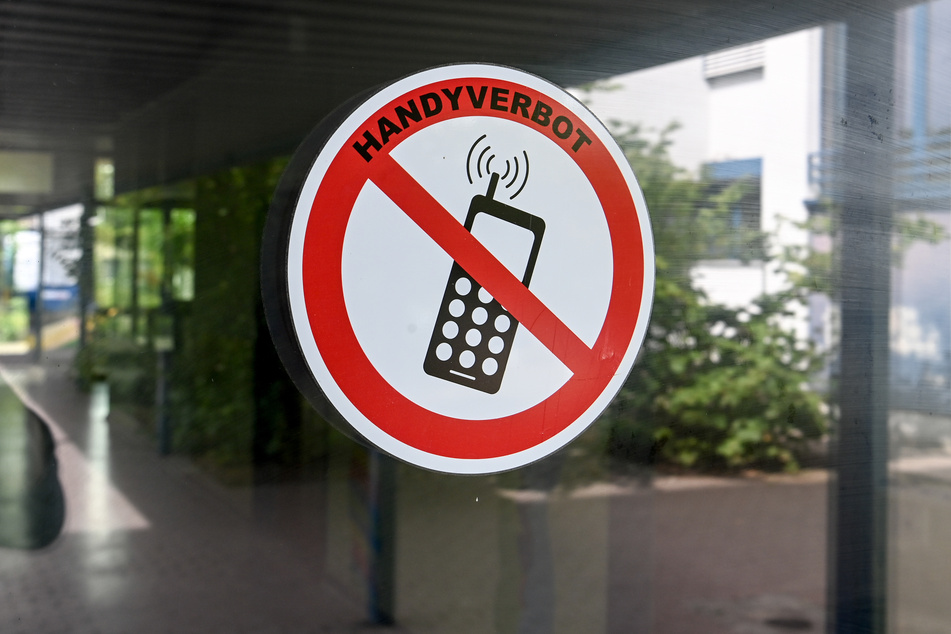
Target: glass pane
151, 258
777, 459
183, 254
920, 329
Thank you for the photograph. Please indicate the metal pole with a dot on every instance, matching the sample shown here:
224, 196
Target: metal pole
164, 431
382, 503
163, 338
38, 304
86, 267
864, 197
134, 276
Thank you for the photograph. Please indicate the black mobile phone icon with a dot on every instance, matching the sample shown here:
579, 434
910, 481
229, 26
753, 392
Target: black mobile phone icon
473, 335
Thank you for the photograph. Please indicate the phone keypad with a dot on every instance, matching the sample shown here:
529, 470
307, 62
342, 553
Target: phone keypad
473, 336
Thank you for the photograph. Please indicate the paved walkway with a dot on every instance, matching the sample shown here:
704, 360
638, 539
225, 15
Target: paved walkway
152, 545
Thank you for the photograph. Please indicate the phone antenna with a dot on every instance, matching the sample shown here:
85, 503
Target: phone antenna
493, 183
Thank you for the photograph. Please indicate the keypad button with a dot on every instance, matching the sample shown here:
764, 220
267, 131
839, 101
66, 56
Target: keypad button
443, 351
490, 367
450, 329
496, 345
480, 316
463, 286
473, 337
502, 322
484, 296
467, 359
457, 307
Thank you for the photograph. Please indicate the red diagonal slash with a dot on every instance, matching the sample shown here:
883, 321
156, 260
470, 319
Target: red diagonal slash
472, 256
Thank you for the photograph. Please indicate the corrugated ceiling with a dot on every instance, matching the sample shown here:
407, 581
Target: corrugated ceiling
74, 70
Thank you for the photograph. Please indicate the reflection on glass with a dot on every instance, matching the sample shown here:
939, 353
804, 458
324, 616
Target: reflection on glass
96, 506
919, 422
697, 503
97, 454
32, 508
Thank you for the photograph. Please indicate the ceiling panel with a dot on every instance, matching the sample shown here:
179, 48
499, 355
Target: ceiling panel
93, 69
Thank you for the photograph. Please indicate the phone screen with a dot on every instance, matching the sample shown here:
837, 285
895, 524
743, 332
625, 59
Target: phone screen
509, 243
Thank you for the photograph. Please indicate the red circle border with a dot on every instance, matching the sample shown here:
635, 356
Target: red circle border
353, 372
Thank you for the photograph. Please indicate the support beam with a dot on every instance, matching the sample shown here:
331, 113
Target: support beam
864, 143
87, 267
40, 285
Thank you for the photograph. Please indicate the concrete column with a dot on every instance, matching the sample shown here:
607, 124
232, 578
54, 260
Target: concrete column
863, 176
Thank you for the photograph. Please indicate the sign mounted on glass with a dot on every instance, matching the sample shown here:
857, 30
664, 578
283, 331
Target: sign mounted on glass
458, 268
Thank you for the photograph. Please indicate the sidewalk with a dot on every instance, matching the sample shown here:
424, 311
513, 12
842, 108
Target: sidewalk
150, 544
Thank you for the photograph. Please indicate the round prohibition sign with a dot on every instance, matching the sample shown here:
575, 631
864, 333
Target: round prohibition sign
304, 250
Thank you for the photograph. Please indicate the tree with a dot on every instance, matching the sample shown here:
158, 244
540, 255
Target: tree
714, 387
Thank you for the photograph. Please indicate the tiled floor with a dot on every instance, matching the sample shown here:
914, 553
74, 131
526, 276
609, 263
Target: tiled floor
150, 545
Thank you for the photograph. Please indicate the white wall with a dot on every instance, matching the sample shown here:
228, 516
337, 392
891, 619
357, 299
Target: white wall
729, 283
740, 111
656, 97
26, 172
793, 81
772, 115
709, 120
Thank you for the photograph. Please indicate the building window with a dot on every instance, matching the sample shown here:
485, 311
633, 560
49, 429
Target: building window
749, 58
734, 190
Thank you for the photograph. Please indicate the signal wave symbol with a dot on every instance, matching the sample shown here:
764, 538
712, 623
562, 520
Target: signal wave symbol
514, 172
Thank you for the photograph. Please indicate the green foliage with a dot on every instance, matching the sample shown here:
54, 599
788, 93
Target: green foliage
231, 404
910, 229
717, 388
812, 268
14, 318
714, 388
690, 218
215, 370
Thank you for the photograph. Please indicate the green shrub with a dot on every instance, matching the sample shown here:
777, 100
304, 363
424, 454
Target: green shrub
714, 388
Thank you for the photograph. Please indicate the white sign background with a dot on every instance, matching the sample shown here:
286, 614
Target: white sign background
394, 274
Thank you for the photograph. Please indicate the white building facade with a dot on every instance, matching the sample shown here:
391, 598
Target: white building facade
757, 111
751, 111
